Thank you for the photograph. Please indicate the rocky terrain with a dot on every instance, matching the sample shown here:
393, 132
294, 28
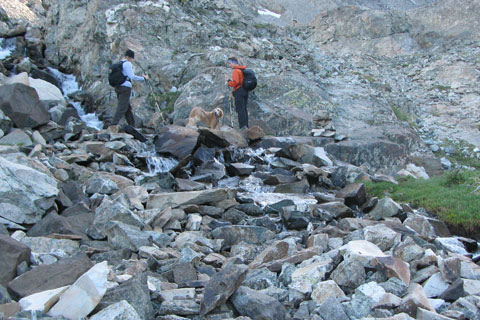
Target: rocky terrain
166, 222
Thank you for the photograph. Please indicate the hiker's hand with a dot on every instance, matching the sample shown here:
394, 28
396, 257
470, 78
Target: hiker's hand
146, 76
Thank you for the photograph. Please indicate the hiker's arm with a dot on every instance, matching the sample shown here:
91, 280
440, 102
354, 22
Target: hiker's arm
129, 72
235, 79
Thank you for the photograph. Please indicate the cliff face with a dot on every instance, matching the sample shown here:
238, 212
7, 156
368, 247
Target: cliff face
362, 63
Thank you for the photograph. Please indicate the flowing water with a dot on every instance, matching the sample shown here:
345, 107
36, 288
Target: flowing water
70, 85
6, 47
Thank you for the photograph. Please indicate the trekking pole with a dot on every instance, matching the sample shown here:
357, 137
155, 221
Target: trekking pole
230, 102
153, 95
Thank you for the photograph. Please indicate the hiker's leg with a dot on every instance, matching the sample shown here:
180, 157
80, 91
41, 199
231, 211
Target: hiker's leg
129, 116
123, 95
246, 109
241, 108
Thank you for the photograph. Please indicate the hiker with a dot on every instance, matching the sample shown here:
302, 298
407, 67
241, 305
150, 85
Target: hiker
124, 90
240, 94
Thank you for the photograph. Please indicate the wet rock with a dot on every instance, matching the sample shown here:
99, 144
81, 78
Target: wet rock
221, 286
46, 277
240, 169
13, 253
256, 305
177, 141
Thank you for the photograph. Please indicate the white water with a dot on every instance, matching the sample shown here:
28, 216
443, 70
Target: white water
6, 47
70, 85
155, 163
266, 12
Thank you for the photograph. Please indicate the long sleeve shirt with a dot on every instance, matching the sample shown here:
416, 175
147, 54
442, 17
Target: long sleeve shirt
128, 72
237, 77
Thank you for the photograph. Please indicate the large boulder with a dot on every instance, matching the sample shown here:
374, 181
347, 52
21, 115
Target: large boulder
50, 276
176, 141
25, 193
46, 91
22, 104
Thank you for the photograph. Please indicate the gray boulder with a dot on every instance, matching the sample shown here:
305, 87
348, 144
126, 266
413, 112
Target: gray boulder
176, 141
221, 286
256, 305
25, 193
118, 311
235, 234
22, 104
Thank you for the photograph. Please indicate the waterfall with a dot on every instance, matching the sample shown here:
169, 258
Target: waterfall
6, 47
70, 85
155, 163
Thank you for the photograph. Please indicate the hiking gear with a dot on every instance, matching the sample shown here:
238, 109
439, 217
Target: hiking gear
249, 80
227, 103
115, 74
237, 77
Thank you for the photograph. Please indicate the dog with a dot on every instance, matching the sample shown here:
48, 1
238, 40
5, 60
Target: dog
210, 119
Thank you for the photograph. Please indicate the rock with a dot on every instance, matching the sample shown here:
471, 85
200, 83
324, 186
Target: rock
381, 235
121, 235
12, 254
360, 250
415, 299
184, 273
385, 208
331, 309
421, 226
225, 137
349, 274
275, 251
26, 193
179, 307
41, 301
256, 305
118, 311
135, 292
53, 223
83, 296
452, 292
354, 194
305, 278
435, 286
9, 309
21, 104
101, 185
240, 169
176, 141
44, 245
235, 234
176, 199
16, 137
47, 91
423, 314
47, 277
325, 289
393, 267
332, 210
254, 133
221, 286
111, 211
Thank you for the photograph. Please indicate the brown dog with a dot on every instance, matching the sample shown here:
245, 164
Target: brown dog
209, 118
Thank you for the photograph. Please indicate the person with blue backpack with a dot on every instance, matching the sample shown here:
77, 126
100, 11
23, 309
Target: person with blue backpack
243, 80
120, 77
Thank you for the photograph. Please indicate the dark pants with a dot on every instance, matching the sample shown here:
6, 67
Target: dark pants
241, 100
124, 107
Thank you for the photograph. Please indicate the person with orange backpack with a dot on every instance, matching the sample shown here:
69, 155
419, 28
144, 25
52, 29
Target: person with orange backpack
243, 80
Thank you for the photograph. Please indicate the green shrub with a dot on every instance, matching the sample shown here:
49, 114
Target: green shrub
452, 197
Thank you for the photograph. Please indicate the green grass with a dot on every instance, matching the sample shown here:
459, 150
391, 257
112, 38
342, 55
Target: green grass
452, 197
169, 98
402, 116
